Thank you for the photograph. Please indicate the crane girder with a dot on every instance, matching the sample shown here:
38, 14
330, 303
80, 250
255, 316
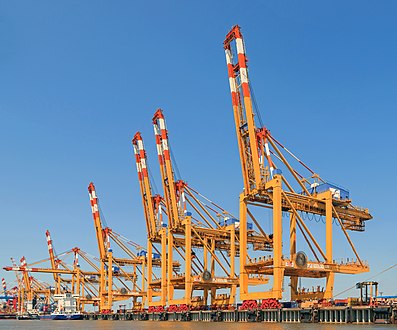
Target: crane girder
352, 217
311, 270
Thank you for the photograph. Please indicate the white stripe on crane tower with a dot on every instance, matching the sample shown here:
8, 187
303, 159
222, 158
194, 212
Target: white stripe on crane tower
228, 56
267, 149
138, 167
243, 75
162, 123
240, 46
140, 144
159, 149
165, 144
268, 155
232, 83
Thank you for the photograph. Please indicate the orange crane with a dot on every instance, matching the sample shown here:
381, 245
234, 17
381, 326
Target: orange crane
10, 298
173, 211
27, 289
166, 170
156, 226
30, 288
266, 185
19, 284
111, 267
19, 281
33, 287
54, 263
156, 229
150, 202
105, 255
79, 283
214, 235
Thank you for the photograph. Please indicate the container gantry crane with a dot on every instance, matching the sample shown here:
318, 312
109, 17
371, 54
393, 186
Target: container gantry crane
156, 230
79, 282
10, 297
19, 283
112, 268
32, 287
265, 185
26, 289
54, 263
185, 232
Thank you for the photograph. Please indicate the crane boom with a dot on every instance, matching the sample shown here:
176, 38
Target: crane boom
242, 109
97, 221
16, 273
167, 173
52, 256
148, 200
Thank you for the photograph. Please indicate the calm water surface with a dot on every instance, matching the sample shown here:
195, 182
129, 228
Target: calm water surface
104, 325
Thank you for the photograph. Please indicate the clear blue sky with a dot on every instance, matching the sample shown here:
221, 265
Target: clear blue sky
79, 78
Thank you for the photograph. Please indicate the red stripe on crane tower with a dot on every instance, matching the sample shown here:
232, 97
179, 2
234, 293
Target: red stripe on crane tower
235, 100
230, 70
242, 60
246, 90
167, 155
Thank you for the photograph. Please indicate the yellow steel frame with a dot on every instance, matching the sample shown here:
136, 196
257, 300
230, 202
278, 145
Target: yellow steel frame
260, 189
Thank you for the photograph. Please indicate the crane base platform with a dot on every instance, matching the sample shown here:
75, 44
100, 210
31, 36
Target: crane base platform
331, 314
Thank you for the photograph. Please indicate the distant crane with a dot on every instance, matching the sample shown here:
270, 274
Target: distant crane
111, 267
